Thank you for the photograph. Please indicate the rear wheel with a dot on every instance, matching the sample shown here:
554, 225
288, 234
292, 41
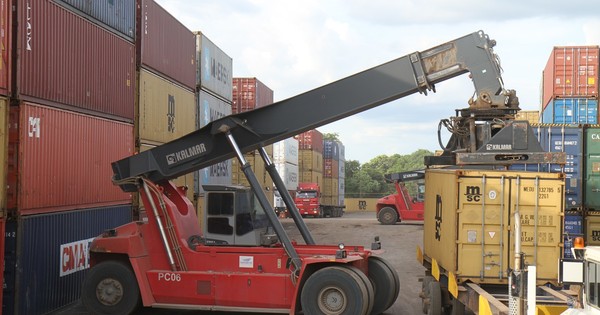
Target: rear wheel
425, 293
110, 288
386, 283
335, 291
388, 216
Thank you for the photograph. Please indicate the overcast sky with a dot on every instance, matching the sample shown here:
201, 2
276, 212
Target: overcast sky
295, 46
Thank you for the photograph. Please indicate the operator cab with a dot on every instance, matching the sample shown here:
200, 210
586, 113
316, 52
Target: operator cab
233, 216
420, 193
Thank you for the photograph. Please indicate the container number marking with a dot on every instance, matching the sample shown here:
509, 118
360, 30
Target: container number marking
169, 276
438, 217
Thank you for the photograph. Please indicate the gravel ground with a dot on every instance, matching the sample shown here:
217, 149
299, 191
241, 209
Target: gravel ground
354, 228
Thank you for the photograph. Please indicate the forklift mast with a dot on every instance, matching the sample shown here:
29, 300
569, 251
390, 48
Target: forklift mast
237, 134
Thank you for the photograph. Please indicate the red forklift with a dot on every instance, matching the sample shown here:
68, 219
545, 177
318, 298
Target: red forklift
242, 251
401, 206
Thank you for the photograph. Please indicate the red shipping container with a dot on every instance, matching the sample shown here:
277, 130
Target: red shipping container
61, 160
331, 168
249, 94
164, 44
310, 140
571, 72
65, 60
6, 42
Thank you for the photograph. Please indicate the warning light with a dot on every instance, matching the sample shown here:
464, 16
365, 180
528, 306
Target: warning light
578, 243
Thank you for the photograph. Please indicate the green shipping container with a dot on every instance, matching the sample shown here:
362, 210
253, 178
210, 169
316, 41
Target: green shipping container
592, 169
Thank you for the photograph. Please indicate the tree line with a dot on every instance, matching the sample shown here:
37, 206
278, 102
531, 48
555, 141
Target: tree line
368, 181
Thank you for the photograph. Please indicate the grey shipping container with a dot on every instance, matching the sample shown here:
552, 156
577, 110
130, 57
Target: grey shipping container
210, 108
52, 256
118, 15
215, 68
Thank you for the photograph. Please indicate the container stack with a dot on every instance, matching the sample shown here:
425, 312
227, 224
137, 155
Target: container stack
331, 173
67, 113
285, 158
310, 157
249, 94
342, 174
570, 86
166, 103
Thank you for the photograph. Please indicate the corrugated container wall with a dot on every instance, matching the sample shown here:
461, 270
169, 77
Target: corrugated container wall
118, 15
592, 230
250, 93
286, 151
342, 191
54, 165
53, 256
215, 68
167, 111
342, 167
476, 243
571, 111
69, 61
210, 108
330, 191
6, 53
331, 168
571, 72
164, 44
3, 155
592, 168
310, 140
309, 160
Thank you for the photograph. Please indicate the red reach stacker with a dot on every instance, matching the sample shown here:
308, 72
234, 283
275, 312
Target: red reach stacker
243, 260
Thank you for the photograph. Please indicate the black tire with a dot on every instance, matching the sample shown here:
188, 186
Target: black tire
368, 284
385, 282
457, 308
110, 288
335, 290
435, 298
425, 292
388, 216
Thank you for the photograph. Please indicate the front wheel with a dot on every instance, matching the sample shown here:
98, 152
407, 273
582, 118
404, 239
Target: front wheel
335, 291
388, 216
110, 288
386, 283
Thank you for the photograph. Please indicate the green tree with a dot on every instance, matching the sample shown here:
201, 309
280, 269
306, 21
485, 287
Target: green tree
332, 136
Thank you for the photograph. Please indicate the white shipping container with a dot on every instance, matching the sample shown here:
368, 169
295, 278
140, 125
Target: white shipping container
342, 167
210, 108
215, 68
286, 151
342, 189
289, 174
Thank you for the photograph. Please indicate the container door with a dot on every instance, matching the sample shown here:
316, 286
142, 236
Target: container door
482, 217
540, 216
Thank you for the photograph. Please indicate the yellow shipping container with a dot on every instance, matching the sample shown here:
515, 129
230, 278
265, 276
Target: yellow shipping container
165, 111
469, 222
310, 177
330, 191
532, 116
309, 160
3, 153
258, 167
592, 229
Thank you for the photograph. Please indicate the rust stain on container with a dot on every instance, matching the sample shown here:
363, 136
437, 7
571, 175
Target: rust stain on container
469, 222
70, 62
60, 160
166, 110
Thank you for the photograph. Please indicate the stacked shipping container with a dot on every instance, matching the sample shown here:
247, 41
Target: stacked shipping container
332, 151
71, 115
310, 157
570, 85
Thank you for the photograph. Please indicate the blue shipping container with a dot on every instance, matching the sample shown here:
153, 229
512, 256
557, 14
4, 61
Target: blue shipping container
569, 140
571, 111
52, 255
573, 227
331, 150
118, 15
